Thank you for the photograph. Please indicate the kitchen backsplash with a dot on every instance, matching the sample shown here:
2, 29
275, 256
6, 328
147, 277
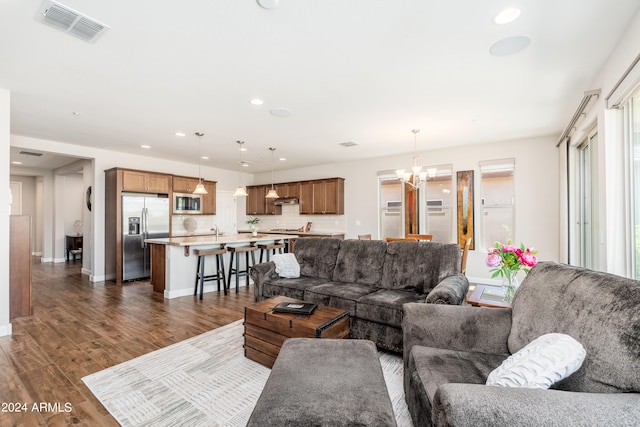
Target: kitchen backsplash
181, 225
291, 218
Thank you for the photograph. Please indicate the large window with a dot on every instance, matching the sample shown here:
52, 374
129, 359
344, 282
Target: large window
439, 203
496, 184
634, 121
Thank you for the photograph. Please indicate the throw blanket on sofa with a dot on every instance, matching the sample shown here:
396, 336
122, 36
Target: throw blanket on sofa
286, 265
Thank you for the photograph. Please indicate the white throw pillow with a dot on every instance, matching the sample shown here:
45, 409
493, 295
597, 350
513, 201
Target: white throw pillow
541, 363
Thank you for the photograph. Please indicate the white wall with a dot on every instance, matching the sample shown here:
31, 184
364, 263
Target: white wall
5, 210
536, 189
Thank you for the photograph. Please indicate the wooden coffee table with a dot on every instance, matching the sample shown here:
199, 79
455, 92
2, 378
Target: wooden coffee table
265, 331
487, 296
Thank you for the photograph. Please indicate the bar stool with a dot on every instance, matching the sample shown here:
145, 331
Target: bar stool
200, 276
266, 247
240, 273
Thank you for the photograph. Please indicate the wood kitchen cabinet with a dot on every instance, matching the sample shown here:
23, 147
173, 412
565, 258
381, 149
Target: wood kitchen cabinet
288, 189
183, 184
255, 200
145, 182
324, 196
209, 199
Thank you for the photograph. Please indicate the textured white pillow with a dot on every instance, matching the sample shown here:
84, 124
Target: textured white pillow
544, 361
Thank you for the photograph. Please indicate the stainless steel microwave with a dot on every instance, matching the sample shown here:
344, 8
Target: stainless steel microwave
187, 203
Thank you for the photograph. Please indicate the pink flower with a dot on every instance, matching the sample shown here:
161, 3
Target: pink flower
493, 260
528, 259
509, 248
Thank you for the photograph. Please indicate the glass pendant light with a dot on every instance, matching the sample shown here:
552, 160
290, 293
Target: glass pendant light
200, 187
240, 190
417, 176
272, 194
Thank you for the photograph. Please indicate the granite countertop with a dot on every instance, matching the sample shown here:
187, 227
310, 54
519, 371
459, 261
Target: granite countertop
224, 239
305, 233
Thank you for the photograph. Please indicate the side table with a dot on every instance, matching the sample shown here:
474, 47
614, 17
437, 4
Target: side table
487, 296
73, 246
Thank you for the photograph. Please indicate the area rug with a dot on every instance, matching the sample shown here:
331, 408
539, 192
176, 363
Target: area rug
203, 381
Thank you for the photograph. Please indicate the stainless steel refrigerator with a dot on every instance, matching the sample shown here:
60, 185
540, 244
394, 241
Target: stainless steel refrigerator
143, 217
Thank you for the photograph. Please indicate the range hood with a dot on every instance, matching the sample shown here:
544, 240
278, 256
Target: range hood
286, 201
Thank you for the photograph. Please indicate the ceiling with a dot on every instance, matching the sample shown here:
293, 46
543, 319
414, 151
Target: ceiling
367, 71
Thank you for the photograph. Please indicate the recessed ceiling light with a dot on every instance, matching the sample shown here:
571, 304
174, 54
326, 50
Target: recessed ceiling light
268, 4
16, 163
242, 149
280, 112
507, 15
282, 159
256, 101
145, 146
205, 157
510, 45
181, 134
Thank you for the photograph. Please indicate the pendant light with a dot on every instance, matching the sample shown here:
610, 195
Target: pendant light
240, 190
417, 176
272, 194
199, 188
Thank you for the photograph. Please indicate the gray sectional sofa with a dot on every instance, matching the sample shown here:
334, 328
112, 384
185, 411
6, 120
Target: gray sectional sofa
371, 279
450, 351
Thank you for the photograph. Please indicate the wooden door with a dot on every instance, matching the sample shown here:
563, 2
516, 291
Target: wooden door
306, 197
209, 199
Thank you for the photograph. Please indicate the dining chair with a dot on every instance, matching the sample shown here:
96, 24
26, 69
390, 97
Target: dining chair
401, 239
465, 253
426, 237
364, 236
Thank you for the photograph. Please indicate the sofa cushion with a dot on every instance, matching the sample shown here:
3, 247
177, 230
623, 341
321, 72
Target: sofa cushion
599, 310
419, 267
429, 367
317, 256
292, 288
541, 363
360, 261
339, 295
385, 305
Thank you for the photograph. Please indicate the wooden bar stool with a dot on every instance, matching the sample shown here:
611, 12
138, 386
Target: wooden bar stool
200, 276
240, 273
266, 247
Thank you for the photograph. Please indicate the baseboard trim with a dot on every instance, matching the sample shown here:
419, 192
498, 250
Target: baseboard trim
6, 330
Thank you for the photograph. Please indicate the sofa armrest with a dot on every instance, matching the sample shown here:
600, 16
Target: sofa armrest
480, 405
462, 328
450, 290
261, 274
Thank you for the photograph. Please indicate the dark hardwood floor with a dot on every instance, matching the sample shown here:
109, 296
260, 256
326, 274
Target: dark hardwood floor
78, 328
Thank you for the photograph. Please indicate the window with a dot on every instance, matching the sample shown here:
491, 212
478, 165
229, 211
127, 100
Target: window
497, 194
634, 121
439, 203
587, 203
390, 205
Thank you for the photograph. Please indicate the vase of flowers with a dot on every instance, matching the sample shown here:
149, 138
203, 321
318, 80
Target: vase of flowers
506, 261
253, 224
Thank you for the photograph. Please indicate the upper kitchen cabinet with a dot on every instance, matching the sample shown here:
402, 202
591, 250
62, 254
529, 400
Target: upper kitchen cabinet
258, 204
183, 184
209, 199
324, 196
145, 182
255, 200
288, 189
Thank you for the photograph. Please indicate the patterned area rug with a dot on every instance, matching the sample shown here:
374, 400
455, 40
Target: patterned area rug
203, 381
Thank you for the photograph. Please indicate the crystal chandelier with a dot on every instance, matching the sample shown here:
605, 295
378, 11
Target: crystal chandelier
416, 176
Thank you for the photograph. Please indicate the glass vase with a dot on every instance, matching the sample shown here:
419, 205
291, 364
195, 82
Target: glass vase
254, 229
510, 286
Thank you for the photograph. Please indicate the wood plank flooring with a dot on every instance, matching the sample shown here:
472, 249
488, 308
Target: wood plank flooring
78, 328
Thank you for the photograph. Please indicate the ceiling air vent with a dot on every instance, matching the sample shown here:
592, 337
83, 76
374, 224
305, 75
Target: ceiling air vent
348, 144
70, 21
30, 153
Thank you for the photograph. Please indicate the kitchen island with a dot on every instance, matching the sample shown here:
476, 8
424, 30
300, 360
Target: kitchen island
173, 264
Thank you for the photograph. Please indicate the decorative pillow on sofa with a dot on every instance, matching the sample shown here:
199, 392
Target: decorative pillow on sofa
541, 363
